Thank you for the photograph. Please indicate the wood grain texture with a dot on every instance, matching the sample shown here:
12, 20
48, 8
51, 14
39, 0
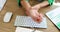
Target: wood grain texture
12, 6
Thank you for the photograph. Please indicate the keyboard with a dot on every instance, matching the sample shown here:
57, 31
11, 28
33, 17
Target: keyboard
27, 21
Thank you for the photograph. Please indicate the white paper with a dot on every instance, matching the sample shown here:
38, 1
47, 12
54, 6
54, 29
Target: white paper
38, 31
20, 29
27, 21
2, 2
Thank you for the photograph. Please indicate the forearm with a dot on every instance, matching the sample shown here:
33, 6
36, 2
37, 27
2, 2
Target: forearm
25, 4
43, 4
49, 2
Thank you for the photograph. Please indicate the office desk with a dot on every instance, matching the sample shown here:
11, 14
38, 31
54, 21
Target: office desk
12, 6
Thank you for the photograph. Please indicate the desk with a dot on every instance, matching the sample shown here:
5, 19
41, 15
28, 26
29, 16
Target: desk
12, 6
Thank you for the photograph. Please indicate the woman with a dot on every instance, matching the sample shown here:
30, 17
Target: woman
33, 11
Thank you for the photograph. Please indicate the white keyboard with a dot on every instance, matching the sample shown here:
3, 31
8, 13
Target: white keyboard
27, 21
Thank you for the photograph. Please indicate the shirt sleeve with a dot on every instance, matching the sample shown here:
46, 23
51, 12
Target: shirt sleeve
51, 2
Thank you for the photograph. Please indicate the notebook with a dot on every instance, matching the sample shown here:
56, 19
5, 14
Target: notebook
2, 2
21, 29
54, 16
27, 21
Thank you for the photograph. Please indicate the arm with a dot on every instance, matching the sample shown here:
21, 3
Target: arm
25, 4
45, 3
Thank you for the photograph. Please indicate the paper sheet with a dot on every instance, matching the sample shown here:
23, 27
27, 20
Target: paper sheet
21, 29
2, 2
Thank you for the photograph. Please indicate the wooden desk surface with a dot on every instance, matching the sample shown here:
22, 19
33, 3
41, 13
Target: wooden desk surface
12, 6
